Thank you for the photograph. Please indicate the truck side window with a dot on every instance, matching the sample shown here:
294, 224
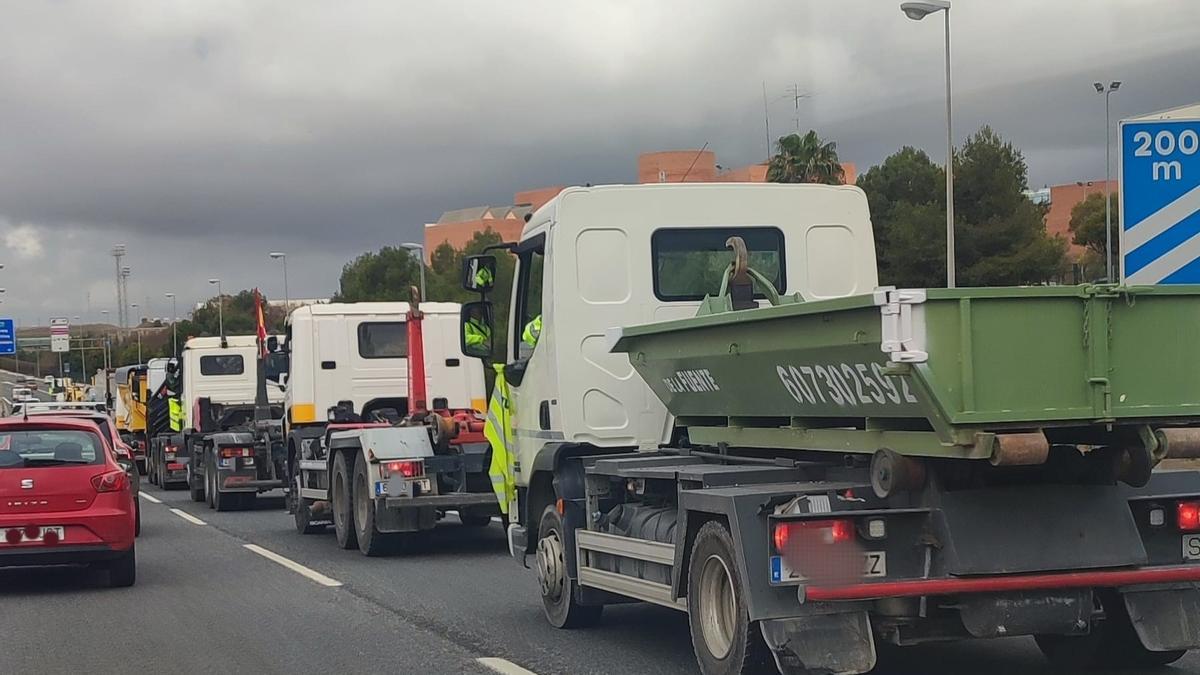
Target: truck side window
382, 340
529, 298
223, 364
689, 262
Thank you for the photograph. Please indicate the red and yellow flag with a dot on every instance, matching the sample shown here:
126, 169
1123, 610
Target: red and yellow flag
261, 324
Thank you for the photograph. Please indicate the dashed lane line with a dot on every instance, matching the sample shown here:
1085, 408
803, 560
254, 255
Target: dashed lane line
150, 498
503, 666
293, 566
188, 517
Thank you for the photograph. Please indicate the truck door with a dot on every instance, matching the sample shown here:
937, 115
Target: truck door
530, 372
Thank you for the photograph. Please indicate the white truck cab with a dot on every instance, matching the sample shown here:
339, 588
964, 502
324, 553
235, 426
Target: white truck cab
358, 352
224, 374
595, 259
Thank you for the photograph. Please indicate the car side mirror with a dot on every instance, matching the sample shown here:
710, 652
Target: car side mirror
479, 273
273, 344
477, 327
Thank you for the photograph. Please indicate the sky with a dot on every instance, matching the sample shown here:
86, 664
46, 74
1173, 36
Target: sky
203, 135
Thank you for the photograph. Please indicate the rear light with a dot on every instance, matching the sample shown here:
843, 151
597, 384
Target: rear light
169, 452
811, 532
228, 453
406, 468
1188, 516
113, 481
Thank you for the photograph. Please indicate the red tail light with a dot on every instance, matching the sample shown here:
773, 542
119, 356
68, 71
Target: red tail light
407, 468
113, 481
228, 453
812, 532
1188, 516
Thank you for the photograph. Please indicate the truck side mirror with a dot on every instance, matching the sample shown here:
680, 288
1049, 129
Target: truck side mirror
479, 273
273, 344
476, 330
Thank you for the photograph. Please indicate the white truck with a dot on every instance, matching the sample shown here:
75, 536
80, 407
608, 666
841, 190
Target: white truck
797, 538
226, 456
384, 432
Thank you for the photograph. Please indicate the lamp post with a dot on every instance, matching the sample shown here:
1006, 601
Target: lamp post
174, 326
420, 248
917, 11
1107, 91
137, 329
287, 302
220, 307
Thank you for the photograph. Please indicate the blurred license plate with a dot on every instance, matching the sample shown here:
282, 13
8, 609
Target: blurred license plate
1191, 547
56, 529
401, 487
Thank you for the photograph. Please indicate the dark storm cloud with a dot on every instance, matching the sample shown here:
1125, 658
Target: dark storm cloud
202, 135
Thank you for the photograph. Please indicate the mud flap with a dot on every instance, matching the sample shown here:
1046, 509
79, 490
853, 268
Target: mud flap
1166, 619
840, 644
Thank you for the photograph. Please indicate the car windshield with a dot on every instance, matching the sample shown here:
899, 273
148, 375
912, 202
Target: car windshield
49, 447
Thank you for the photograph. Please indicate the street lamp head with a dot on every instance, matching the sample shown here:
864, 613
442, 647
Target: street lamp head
214, 281
1099, 87
413, 246
276, 255
169, 295
919, 10
1114, 85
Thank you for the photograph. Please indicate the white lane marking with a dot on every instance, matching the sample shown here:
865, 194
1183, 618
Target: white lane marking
504, 666
293, 566
150, 498
497, 519
188, 517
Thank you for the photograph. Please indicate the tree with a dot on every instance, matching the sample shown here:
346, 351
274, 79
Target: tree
805, 159
387, 274
1000, 235
1087, 230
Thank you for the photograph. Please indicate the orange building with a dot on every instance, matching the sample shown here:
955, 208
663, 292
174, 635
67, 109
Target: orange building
1063, 198
669, 166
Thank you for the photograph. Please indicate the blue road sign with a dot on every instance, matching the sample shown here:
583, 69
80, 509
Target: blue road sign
8, 337
1160, 200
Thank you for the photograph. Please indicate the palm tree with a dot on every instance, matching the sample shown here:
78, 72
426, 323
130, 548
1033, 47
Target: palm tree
805, 159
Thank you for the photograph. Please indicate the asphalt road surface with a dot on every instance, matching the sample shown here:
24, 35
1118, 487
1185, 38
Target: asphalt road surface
8, 381
243, 592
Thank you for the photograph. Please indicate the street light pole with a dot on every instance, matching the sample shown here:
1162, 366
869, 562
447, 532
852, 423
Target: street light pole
137, 329
1108, 261
287, 301
220, 308
174, 326
420, 248
917, 11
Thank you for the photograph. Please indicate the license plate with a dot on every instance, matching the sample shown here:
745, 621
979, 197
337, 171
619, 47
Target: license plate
1191, 547
401, 487
57, 529
874, 565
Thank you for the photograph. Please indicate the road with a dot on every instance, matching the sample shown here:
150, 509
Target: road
8, 380
206, 603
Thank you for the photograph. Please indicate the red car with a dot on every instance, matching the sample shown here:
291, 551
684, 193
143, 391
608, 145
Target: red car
64, 498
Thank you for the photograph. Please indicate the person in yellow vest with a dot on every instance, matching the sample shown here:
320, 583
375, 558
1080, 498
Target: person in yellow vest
533, 331
476, 332
497, 428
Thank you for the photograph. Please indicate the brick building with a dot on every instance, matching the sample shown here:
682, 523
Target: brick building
1061, 199
670, 166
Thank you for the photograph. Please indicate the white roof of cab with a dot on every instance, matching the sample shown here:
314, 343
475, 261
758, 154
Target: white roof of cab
215, 342
361, 308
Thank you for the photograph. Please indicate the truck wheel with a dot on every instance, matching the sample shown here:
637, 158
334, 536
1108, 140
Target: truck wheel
303, 512
558, 589
197, 493
475, 519
151, 471
343, 520
370, 540
122, 572
1113, 643
724, 639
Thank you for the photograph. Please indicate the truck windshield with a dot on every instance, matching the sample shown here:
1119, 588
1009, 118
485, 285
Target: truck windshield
275, 365
689, 262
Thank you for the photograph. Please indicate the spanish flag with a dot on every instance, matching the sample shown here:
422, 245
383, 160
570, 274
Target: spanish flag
261, 323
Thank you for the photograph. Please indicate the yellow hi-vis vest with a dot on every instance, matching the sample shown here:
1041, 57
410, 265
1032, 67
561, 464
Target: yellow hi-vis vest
499, 432
175, 408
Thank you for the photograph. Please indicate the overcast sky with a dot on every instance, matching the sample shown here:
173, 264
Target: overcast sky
204, 134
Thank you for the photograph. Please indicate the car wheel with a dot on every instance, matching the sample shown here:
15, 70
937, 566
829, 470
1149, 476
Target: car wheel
558, 589
137, 517
343, 519
122, 572
724, 639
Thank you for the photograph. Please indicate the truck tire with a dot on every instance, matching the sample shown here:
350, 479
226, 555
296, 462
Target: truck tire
561, 607
342, 495
303, 513
1113, 643
151, 468
371, 541
122, 572
196, 493
724, 639
475, 519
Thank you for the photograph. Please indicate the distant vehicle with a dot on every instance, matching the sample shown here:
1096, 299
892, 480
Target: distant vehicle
124, 453
35, 406
22, 394
64, 498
